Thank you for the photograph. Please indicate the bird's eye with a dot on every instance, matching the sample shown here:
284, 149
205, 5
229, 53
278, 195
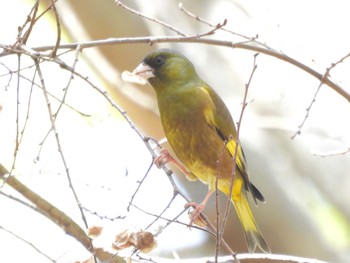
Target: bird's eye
160, 60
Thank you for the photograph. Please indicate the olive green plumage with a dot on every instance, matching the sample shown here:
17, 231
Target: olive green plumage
201, 132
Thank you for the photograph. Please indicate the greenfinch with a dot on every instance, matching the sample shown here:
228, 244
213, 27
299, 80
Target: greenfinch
202, 134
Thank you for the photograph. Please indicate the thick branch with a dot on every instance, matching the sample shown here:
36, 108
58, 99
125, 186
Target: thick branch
48, 210
57, 216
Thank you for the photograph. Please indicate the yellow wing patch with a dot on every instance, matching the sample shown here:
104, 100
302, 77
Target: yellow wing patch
209, 109
240, 166
231, 146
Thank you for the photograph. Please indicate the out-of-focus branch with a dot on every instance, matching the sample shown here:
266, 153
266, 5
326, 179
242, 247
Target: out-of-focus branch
326, 75
202, 20
242, 257
29, 244
47, 209
58, 26
179, 32
56, 216
331, 153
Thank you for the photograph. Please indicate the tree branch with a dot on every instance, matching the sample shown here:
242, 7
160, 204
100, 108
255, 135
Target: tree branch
35, 51
48, 210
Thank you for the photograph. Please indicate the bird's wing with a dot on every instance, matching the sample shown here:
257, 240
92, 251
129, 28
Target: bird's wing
219, 118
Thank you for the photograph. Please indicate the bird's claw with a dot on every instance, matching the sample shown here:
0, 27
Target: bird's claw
195, 214
163, 158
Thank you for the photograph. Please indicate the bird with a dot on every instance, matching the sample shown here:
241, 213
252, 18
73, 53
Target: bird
202, 134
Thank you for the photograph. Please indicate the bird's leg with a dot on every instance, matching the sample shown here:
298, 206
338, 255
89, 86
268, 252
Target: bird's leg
166, 157
198, 208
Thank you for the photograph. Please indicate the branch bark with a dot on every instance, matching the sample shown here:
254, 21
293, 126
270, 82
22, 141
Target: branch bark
56, 216
36, 51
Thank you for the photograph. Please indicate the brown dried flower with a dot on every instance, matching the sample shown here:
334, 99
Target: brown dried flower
141, 240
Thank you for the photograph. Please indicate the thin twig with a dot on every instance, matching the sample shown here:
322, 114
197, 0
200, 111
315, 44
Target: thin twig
139, 185
202, 20
58, 27
55, 97
237, 141
45, 11
174, 220
326, 76
138, 13
218, 235
331, 153
28, 243
52, 119
103, 217
10, 73
31, 19
63, 100
164, 210
15, 153
18, 200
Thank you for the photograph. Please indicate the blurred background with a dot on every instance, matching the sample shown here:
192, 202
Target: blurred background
307, 211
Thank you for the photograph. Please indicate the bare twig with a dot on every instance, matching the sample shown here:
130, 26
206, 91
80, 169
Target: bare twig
331, 153
63, 100
162, 213
308, 109
28, 243
218, 234
10, 74
53, 96
139, 185
58, 27
17, 118
46, 10
326, 76
31, 19
239, 123
19, 136
166, 25
52, 119
103, 217
202, 20
18, 200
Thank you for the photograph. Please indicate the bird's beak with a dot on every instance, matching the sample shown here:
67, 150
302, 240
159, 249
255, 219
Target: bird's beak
144, 71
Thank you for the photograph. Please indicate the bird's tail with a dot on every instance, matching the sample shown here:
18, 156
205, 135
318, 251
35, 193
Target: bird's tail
252, 233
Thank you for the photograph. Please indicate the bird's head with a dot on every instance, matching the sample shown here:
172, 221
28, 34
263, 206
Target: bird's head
165, 66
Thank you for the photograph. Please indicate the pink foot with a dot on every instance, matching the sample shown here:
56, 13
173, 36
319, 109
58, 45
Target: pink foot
195, 214
198, 208
163, 158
